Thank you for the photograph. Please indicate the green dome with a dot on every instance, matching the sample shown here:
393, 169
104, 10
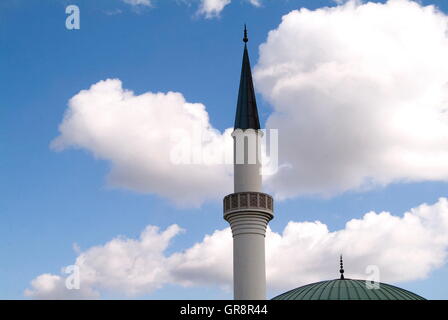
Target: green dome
347, 289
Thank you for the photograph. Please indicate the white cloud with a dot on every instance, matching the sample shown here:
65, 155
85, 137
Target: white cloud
206, 263
360, 96
139, 134
138, 2
212, 8
404, 248
52, 287
129, 266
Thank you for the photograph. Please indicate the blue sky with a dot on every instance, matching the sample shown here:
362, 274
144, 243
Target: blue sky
51, 200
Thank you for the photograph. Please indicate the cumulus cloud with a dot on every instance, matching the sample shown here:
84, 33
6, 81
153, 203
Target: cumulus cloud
212, 8
156, 142
52, 287
359, 93
404, 248
360, 96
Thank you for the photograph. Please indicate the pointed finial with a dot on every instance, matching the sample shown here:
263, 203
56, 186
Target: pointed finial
341, 270
245, 39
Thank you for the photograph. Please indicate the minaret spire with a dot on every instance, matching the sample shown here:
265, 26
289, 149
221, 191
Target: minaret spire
341, 270
245, 39
246, 110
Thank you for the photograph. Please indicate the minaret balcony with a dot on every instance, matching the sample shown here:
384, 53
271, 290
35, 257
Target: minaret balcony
249, 202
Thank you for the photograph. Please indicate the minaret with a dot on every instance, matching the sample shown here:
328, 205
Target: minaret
248, 210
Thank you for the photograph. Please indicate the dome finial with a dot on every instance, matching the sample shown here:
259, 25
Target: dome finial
341, 270
245, 39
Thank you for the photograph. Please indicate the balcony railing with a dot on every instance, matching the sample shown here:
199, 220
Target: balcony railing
245, 201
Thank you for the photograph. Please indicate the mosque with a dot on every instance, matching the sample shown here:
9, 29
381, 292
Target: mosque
248, 211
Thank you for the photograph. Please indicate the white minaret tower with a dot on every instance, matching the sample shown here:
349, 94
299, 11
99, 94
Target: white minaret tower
248, 210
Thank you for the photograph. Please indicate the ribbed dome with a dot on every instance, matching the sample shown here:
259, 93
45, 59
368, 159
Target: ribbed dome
347, 289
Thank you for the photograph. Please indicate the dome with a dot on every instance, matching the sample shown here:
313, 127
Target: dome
347, 289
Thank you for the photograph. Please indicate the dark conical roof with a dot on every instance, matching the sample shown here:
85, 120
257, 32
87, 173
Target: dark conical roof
246, 110
347, 289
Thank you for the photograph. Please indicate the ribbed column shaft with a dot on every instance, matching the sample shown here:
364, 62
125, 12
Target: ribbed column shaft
249, 271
